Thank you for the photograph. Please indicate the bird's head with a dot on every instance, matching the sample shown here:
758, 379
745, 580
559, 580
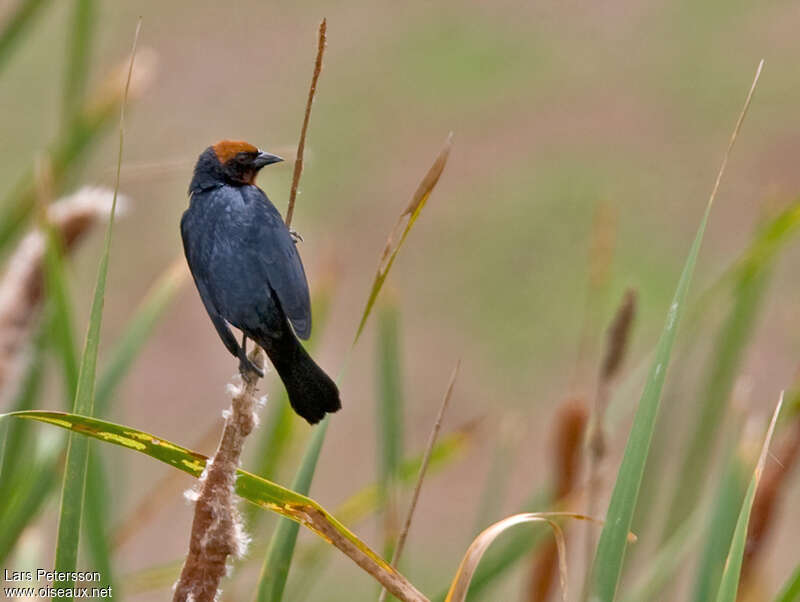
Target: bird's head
232, 162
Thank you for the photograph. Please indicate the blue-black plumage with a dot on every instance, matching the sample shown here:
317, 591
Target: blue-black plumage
249, 274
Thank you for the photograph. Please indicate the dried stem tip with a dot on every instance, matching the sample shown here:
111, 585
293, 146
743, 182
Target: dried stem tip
312, 91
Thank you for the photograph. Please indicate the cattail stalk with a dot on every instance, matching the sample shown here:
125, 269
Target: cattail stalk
217, 531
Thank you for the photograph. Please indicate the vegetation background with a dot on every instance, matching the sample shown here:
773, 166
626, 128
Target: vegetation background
561, 112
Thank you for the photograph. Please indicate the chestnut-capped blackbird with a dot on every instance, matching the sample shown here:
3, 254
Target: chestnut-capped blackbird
249, 274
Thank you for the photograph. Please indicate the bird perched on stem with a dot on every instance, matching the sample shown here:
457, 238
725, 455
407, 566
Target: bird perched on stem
249, 273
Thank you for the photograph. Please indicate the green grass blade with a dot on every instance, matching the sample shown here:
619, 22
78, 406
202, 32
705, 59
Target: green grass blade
720, 531
729, 586
610, 553
74, 483
790, 592
731, 342
272, 582
259, 491
389, 416
613, 539
79, 47
16, 25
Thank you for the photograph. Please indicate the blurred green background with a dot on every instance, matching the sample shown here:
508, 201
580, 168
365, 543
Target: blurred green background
559, 111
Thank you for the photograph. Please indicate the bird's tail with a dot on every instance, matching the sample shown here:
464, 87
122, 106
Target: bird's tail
312, 393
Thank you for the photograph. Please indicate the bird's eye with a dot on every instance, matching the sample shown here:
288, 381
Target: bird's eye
243, 158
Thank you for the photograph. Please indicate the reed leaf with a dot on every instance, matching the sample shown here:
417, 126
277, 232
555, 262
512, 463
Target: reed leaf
729, 585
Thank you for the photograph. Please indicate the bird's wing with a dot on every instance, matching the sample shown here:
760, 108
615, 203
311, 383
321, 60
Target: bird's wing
275, 258
243, 259
197, 256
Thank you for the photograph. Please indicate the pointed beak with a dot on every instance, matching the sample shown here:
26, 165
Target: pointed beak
263, 159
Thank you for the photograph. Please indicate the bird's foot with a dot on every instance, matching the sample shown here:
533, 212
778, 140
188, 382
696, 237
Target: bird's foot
295, 236
245, 366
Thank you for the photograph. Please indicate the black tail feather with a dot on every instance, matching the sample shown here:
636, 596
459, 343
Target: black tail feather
312, 393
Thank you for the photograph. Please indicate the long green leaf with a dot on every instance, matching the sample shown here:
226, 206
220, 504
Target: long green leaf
729, 586
259, 491
790, 592
74, 487
276, 565
732, 339
721, 527
613, 539
356, 508
611, 548
15, 26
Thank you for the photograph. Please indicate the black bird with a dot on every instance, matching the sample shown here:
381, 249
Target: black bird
249, 273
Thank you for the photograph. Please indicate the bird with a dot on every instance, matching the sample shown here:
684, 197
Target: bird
246, 267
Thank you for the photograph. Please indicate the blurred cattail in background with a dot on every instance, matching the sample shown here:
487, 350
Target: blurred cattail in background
22, 284
570, 425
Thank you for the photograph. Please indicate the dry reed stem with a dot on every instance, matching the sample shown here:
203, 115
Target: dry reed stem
401, 540
312, 90
391, 580
21, 286
568, 446
217, 531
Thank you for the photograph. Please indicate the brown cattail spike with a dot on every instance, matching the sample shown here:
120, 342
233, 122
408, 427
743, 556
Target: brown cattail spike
567, 448
618, 335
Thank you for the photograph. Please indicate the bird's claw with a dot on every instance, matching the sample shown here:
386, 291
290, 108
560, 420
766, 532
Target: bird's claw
245, 365
295, 236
